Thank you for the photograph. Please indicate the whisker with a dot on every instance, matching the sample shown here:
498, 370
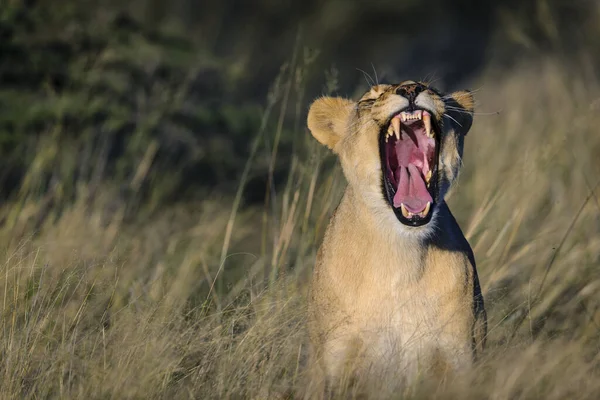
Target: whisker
372, 83
375, 72
449, 96
448, 116
460, 110
476, 90
433, 78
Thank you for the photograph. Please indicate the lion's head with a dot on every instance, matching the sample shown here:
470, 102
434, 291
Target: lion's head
400, 146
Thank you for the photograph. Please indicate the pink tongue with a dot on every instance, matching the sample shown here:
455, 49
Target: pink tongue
411, 191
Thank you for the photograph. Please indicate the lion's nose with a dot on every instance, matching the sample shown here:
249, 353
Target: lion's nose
410, 91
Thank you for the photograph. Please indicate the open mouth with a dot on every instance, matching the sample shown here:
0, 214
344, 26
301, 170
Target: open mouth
408, 150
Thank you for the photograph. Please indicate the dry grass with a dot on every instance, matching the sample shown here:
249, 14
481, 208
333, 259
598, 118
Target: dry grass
179, 306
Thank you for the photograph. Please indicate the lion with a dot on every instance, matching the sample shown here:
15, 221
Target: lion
394, 293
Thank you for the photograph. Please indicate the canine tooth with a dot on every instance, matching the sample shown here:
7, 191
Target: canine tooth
427, 123
428, 176
405, 212
426, 210
419, 114
396, 127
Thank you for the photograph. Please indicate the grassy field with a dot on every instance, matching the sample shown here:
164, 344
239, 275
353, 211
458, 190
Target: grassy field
206, 298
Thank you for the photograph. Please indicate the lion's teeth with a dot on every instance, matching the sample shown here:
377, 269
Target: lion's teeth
396, 127
428, 177
427, 123
426, 210
405, 212
389, 133
411, 116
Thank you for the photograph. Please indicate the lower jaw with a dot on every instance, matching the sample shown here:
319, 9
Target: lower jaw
414, 221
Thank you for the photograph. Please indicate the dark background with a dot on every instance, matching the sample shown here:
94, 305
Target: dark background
180, 86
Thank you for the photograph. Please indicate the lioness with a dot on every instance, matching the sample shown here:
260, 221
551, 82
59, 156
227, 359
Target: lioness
395, 291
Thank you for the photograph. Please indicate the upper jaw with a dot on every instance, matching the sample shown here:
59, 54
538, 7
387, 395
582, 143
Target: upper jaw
409, 110
409, 117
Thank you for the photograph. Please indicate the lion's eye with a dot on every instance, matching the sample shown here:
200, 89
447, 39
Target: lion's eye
366, 103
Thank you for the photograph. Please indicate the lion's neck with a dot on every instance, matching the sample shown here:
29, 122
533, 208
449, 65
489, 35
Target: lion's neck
380, 221
365, 246
379, 231
378, 235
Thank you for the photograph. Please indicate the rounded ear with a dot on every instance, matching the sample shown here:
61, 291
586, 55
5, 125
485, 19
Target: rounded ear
460, 106
328, 118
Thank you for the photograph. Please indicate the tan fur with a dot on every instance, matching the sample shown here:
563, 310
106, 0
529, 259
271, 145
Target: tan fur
465, 99
326, 119
390, 302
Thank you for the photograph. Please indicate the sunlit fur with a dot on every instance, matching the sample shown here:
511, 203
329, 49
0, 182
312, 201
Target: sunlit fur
391, 301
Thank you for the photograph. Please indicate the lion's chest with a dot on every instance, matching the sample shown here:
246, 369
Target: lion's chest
407, 307
405, 310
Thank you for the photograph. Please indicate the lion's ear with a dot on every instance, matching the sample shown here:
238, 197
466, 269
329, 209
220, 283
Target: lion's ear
461, 106
328, 119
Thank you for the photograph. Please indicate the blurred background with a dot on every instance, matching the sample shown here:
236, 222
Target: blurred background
107, 78
158, 185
